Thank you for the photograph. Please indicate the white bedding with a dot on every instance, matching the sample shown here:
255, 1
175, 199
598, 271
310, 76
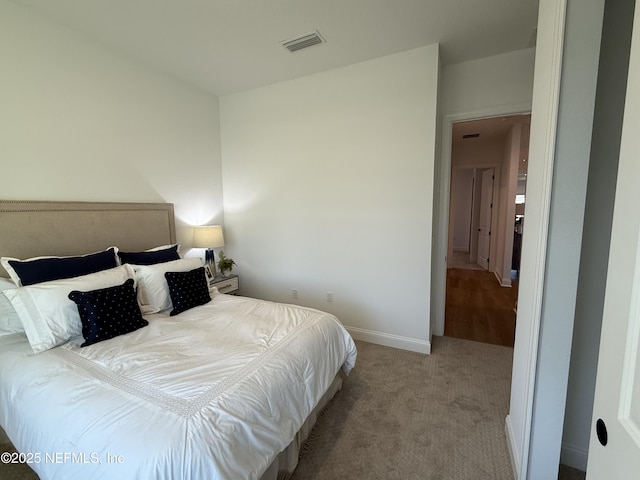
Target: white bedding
213, 393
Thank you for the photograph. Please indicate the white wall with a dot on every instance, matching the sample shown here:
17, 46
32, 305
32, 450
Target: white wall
461, 203
80, 122
478, 153
486, 83
475, 214
507, 209
328, 187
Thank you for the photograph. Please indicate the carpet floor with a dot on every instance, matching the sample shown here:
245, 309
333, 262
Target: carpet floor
403, 415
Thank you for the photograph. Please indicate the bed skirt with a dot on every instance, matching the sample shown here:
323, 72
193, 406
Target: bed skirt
287, 460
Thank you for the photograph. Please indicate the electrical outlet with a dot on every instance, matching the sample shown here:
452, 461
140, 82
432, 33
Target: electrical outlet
294, 293
329, 297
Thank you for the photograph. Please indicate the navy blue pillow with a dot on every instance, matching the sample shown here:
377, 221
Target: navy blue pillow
108, 312
187, 289
150, 258
57, 268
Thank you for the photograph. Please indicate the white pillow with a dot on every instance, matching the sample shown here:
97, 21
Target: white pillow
6, 284
48, 316
153, 291
9, 319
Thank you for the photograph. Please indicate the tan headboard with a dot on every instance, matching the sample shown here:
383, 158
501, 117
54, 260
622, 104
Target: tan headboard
30, 229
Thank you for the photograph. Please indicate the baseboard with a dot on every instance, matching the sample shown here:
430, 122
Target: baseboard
511, 446
574, 457
388, 340
504, 282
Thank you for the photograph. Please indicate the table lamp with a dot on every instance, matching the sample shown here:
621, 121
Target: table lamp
208, 237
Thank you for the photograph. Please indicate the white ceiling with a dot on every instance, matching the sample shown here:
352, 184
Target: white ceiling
227, 46
492, 129
488, 128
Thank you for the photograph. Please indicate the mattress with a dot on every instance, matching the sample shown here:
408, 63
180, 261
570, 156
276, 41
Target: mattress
216, 392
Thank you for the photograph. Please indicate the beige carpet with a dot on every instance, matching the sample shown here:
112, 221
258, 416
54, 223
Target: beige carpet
403, 415
13, 471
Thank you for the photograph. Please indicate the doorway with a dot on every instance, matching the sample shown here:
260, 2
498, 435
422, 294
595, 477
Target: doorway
486, 219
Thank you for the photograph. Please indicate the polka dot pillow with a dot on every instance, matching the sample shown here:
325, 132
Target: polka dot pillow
187, 289
108, 312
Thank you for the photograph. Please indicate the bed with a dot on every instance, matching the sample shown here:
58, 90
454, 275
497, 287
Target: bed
227, 389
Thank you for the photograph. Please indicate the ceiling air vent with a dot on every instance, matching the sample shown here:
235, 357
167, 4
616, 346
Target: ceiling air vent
471, 135
307, 40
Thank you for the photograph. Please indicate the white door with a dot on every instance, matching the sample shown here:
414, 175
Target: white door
616, 411
484, 228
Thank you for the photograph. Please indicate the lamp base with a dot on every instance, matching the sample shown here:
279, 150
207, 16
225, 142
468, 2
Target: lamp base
209, 258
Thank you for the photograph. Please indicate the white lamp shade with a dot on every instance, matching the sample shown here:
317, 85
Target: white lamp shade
208, 237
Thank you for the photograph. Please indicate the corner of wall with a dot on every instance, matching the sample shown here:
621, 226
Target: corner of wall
574, 457
388, 340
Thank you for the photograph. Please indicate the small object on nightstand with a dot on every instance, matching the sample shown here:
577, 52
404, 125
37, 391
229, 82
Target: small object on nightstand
228, 284
225, 264
209, 237
208, 273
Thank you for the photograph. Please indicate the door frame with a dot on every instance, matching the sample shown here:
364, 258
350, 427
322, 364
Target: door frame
544, 109
488, 210
440, 251
494, 220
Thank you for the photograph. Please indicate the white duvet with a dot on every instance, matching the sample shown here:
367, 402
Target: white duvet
213, 393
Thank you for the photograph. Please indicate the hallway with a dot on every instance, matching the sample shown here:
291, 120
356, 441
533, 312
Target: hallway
478, 308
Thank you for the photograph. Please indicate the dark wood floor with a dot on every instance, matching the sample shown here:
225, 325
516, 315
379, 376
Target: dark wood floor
478, 308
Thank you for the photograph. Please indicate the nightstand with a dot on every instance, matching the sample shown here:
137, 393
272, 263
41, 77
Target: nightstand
228, 284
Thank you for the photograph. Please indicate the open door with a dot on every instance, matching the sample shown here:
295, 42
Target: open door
486, 208
614, 449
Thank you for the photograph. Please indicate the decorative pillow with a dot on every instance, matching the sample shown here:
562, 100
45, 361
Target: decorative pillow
153, 292
108, 312
48, 316
187, 289
45, 269
166, 253
9, 319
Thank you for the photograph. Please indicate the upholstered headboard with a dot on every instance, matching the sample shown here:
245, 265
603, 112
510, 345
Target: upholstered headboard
29, 229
